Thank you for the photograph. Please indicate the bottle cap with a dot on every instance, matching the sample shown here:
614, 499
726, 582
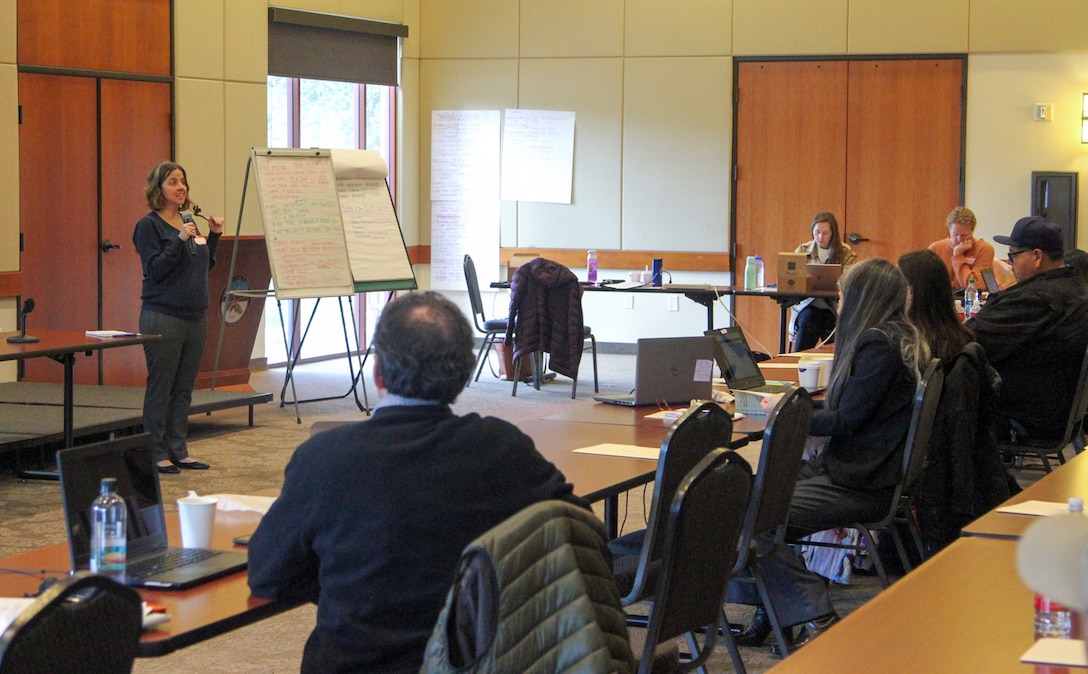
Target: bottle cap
109, 483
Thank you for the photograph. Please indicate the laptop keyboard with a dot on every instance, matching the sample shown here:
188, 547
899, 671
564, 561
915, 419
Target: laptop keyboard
168, 560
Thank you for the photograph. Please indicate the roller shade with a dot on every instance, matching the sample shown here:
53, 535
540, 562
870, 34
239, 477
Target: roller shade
320, 46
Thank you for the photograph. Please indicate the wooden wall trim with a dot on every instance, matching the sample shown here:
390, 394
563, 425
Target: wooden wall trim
11, 284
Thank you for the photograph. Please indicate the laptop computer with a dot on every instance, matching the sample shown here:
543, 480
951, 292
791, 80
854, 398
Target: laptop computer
990, 280
669, 370
740, 369
150, 562
824, 276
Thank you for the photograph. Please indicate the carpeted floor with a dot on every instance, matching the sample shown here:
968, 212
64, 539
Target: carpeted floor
245, 459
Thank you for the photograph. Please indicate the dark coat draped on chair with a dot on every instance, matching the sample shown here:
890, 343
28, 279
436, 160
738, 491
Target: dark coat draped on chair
546, 314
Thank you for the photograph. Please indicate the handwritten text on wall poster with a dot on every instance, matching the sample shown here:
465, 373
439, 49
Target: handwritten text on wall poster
464, 154
538, 156
303, 226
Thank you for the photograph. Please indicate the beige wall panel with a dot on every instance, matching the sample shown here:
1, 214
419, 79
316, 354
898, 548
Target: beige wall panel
1005, 144
1038, 26
680, 28
199, 38
378, 10
199, 147
593, 89
460, 85
408, 153
410, 46
558, 28
916, 27
468, 29
9, 168
246, 46
787, 27
677, 130
246, 117
8, 32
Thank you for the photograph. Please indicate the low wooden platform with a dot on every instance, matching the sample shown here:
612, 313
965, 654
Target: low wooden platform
31, 414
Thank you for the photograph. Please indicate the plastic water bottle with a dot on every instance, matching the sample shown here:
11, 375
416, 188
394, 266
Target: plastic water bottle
759, 272
108, 528
970, 299
1051, 618
751, 273
591, 265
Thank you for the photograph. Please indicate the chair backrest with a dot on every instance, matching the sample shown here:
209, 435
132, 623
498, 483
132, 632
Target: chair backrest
697, 433
927, 398
472, 282
1080, 403
704, 524
84, 623
779, 463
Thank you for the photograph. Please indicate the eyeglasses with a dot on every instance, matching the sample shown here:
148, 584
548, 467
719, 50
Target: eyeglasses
1014, 253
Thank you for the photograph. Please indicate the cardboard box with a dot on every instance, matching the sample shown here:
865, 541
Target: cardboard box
516, 261
793, 272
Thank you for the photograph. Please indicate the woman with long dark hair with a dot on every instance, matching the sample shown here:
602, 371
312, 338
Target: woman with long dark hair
931, 307
814, 318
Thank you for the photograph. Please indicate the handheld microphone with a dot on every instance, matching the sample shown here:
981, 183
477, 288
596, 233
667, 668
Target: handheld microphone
187, 217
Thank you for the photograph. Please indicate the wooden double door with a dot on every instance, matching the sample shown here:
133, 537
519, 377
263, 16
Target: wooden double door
879, 143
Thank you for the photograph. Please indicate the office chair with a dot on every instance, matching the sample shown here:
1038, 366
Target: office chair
84, 623
705, 519
927, 398
492, 329
1073, 432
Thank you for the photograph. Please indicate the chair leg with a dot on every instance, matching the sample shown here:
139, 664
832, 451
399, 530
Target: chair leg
517, 376
768, 606
731, 646
870, 545
593, 344
481, 357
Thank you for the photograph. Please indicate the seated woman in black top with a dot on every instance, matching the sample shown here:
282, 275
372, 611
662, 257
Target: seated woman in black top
878, 357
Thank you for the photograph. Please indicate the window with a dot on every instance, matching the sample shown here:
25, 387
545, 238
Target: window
325, 114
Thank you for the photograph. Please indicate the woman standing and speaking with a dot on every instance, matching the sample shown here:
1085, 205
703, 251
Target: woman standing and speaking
175, 260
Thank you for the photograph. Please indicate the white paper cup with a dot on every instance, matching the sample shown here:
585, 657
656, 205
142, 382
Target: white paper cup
197, 515
808, 375
635, 277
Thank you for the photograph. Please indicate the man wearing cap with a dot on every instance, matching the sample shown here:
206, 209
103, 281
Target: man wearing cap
1035, 333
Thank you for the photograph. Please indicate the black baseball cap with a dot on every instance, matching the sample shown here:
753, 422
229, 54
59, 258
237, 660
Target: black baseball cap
1034, 232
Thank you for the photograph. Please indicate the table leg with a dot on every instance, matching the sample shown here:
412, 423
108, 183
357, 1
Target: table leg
611, 516
68, 360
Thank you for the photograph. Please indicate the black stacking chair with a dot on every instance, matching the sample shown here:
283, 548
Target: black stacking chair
769, 507
492, 329
637, 556
703, 527
926, 400
85, 623
1074, 432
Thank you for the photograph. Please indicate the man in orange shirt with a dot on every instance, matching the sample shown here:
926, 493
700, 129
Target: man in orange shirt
963, 254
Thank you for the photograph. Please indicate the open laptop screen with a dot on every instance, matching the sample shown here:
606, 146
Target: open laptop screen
128, 460
735, 358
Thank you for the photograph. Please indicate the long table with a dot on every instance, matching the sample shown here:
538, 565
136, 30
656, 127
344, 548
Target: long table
965, 610
1068, 480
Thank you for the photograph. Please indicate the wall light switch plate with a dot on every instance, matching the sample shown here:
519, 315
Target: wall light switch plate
674, 303
628, 301
1044, 112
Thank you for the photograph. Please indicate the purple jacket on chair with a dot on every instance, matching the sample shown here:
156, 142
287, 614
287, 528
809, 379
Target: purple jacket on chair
546, 314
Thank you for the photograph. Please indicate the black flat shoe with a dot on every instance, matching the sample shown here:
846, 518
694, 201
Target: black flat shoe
168, 470
809, 631
192, 465
757, 631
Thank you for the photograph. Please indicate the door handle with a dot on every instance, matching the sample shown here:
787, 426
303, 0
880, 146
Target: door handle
855, 239
108, 245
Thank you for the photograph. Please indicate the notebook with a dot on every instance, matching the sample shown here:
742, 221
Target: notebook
129, 460
990, 280
824, 276
669, 370
740, 369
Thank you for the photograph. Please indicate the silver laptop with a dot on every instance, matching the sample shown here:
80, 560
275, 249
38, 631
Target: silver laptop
150, 563
738, 365
669, 370
824, 276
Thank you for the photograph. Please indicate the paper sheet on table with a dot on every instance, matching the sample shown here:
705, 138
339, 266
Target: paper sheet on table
1036, 508
626, 451
10, 608
260, 504
737, 416
624, 285
1066, 652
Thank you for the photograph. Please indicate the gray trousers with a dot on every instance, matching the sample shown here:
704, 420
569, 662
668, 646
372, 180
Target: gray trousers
172, 365
799, 595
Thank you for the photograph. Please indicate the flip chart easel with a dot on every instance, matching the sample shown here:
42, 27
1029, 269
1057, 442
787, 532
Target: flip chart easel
331, 231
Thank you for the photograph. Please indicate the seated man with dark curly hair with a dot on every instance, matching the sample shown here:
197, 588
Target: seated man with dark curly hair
374, 515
